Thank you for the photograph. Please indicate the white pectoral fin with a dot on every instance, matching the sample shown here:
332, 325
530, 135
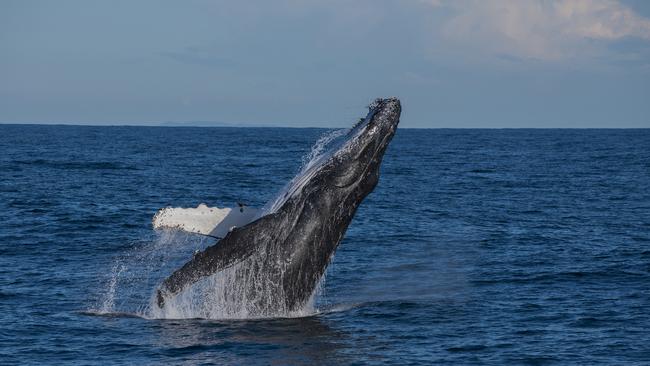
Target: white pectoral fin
238, 216
203, 220
199, 220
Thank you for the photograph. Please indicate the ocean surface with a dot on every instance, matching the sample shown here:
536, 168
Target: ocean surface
477, 247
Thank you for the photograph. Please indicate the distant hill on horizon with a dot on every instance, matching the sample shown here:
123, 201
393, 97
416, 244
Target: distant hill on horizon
212, 124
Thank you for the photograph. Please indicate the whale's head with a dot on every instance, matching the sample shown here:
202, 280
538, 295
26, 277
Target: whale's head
349, 170
353, 169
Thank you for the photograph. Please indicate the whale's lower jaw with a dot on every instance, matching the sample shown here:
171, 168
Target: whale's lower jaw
276, 262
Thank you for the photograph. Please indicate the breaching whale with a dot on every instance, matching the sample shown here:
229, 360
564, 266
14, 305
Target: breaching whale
293, 241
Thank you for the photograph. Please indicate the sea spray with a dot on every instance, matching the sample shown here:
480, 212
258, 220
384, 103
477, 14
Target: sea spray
137, 271
107, 304
319, 153
243, 291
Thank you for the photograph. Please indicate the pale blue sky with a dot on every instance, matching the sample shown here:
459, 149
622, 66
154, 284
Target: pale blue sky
466, 63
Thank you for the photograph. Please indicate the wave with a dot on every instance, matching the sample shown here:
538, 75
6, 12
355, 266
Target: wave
612, 274
76, 165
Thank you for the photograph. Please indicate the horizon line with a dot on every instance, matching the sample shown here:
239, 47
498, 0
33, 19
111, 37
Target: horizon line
199, 124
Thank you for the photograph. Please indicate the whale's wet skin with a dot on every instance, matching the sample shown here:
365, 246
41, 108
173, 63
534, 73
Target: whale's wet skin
272, 266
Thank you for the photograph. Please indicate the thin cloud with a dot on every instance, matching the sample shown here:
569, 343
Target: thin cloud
539, 29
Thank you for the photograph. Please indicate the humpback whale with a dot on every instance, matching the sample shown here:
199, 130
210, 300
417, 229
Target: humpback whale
294, 238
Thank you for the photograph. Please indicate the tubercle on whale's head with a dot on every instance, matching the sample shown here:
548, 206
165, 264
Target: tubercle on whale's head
356, 165
384, 121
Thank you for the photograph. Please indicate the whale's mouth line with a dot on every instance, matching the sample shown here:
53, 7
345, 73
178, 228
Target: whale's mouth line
381, 144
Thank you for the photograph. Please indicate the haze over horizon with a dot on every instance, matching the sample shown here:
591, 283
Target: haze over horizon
454, 64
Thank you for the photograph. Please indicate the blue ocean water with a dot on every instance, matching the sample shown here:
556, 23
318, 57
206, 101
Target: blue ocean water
477, 247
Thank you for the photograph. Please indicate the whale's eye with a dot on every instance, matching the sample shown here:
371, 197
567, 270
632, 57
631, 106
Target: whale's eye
349, 171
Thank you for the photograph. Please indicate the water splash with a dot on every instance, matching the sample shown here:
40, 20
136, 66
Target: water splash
108, 302
140, 269
320, 152
243, 291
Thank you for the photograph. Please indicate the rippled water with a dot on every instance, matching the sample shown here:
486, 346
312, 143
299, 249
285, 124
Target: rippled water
477, 247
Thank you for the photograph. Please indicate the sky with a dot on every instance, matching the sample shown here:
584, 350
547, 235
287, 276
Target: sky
454, 64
